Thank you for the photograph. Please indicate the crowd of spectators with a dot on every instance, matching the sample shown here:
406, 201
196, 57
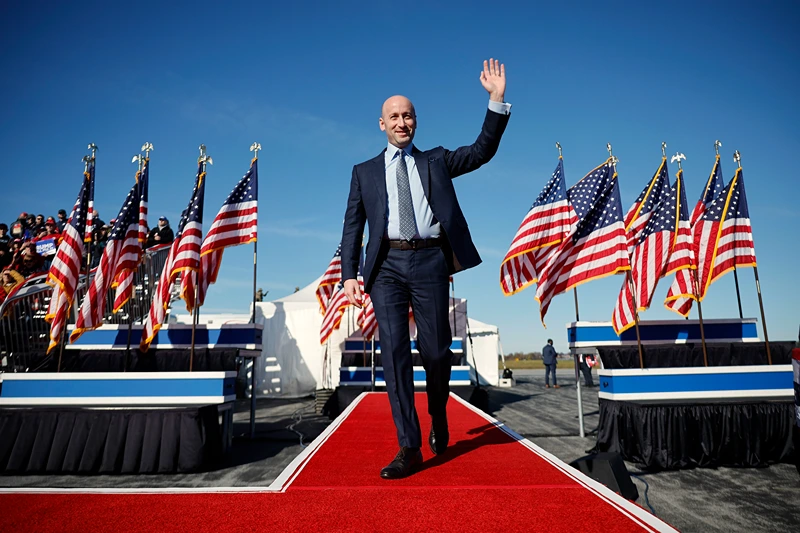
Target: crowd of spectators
20, 257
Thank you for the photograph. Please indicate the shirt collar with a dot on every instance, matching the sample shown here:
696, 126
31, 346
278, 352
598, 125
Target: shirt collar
391, 151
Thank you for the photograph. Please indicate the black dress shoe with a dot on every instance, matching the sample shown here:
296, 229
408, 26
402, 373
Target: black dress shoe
403, 464
439, 436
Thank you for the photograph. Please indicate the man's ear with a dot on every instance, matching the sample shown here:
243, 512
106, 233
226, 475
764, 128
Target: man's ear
382, 124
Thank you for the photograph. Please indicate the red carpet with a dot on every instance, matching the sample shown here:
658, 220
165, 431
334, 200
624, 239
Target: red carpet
487, 481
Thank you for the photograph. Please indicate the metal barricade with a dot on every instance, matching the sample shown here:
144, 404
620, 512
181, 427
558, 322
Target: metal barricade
24, 333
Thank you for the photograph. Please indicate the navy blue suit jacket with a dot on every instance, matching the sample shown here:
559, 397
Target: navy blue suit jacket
437, 168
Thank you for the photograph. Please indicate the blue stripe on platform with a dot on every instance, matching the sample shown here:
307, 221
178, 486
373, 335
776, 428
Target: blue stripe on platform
174, 335
696, 382
111, 388
672, 331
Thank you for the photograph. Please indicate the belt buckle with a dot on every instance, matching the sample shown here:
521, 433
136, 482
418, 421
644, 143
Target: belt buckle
413, 244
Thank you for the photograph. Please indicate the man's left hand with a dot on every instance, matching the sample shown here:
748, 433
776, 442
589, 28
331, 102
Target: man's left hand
493, 79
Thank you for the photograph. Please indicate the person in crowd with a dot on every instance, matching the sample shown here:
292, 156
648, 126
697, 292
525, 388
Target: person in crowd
161, 234
99, 241
5, 255
11, 279
5, 238
97, 222
549, 358
38, 224
51, 228
62, 220
31, 262
19, 230
585, 360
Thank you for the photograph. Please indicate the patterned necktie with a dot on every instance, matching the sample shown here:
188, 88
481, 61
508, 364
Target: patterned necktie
408, 225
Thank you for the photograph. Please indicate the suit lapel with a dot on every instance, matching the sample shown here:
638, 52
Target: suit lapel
421, 161
378, 172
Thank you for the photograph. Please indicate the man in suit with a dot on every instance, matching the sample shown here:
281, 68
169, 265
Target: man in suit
550, 360
418, 236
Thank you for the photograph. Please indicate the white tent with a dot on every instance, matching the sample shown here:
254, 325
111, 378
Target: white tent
295, 364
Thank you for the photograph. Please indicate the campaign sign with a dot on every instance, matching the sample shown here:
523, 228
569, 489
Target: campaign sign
46, 247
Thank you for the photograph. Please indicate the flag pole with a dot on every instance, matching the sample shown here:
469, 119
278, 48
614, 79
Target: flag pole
629, 276
636, 318
678, 157
93, 148
140, 160
738, 158
203, 159
717, 145
574, 289
255, 147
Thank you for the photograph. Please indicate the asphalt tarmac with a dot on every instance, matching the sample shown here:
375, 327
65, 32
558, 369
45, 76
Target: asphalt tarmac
703, 500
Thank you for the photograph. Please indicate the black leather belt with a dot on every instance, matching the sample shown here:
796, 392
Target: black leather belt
415, 244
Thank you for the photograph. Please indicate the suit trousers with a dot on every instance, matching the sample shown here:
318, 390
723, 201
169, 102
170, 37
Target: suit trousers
419, 277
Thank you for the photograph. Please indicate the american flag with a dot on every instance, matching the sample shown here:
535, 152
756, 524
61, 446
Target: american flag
597, 246
547, 223
66, 266
683, 289
334, 312
726, 238
236, 223
330, 279
121, 253
177, 252
190, 239
123, 281
637, 216
87, 231
367, 319
651, 253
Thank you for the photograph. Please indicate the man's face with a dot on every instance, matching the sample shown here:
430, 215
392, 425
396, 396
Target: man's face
162, 223
398, 120
39, 220
62, 216
2, 232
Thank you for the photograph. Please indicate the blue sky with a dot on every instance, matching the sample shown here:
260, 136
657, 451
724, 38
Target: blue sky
307, 81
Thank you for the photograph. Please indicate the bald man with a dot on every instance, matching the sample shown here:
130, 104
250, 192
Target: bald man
418, 236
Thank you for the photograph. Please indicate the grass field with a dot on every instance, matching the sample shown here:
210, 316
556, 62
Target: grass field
532, 364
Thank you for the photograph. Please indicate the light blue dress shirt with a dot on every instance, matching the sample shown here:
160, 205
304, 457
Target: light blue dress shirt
427, 225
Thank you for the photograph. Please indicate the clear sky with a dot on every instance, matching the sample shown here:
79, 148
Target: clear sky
307, 81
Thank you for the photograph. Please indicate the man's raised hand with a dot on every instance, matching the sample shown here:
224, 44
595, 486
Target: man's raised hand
493, 79
353, 292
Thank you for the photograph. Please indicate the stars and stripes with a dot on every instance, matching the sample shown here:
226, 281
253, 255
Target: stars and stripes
330, 279
726, 237
334, 312
133, 251
651, 254
190, 238
178, 254
546, 224
656, 190
122, 252
367, 319
89, 226
236, 223
683, 289
66, 267
597, 245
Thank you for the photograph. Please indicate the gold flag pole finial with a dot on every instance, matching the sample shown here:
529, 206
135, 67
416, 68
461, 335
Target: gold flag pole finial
558, 145
255, 148
147, 148
611, 156
663, 149
717, 145
204, 157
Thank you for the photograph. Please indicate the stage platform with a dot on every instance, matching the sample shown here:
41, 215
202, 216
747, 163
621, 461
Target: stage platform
490, 479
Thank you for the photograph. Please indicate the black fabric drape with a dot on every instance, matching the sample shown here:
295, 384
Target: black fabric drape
683, 355
685, 436
177, 360
115, 441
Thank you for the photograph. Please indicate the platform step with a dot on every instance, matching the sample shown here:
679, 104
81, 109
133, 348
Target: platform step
322, 397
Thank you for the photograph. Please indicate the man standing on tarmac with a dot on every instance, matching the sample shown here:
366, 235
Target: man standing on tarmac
549, 358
